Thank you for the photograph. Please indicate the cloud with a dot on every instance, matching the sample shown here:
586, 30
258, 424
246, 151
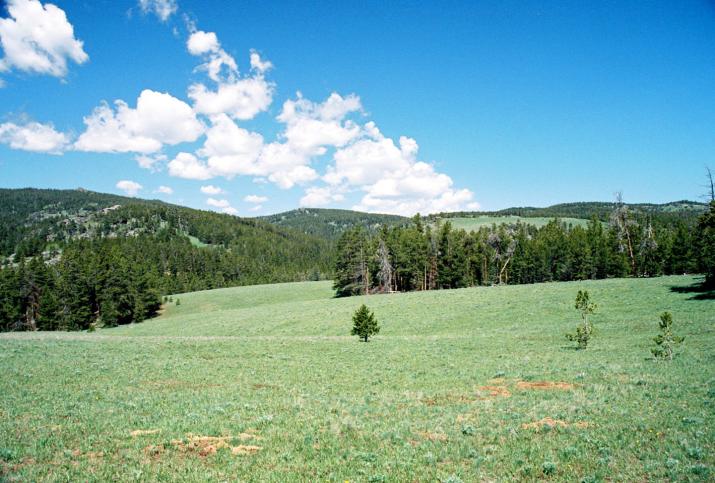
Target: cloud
256, 208
240, 97
255, 199
201, 43
33, 136
223, 205
315, 197
131, 188
161, 8
165, 190
259, 64
392, 178
158, 119
151, 162
310, 127
218, 203
229, 149
187, 166
211, 190
38, 38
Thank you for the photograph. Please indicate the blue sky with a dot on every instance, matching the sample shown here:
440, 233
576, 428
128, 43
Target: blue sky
380, 106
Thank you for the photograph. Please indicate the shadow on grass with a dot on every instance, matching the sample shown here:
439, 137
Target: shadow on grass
702, 291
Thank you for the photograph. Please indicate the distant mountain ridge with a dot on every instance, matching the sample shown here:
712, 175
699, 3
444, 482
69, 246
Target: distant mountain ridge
331, 223
588, 209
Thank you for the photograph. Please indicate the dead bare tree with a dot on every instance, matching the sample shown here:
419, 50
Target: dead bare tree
711, 183
385, 273
504, 246
625, 224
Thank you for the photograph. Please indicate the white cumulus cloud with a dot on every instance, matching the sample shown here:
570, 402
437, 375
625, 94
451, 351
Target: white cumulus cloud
255, 199
211, 190
33, 136
223, 205
165, 190
229, 149
131, 188
201, 43
38, 38
315, 196
241, 97
187, 166
158, 119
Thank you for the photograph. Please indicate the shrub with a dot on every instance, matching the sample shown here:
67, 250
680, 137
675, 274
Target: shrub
666, 340
178, 301
364, 323
585, 330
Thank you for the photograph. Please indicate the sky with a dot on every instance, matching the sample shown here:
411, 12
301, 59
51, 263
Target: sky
253, 107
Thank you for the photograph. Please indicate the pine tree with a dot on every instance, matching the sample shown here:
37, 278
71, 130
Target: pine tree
666, 340
585, 330
364, 323
705, 242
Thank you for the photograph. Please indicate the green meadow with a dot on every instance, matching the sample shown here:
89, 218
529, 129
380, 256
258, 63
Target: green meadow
477, 222
264, 383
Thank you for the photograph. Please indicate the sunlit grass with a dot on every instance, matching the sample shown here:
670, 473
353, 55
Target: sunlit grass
450, 388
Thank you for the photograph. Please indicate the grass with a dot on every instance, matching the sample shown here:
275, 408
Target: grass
196, 242
451, 389
477, 222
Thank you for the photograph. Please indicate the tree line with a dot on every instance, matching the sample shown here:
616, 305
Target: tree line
424, 256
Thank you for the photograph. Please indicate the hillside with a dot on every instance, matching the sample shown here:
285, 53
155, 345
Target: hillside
671, 212
330, 224
108, 259
471, 223
264, 383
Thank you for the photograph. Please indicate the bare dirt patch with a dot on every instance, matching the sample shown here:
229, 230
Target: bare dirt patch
204, 446
544, 385
553, 423
494, 391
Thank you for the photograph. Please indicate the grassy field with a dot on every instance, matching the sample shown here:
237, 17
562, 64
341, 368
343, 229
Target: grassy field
264, 384
477, 222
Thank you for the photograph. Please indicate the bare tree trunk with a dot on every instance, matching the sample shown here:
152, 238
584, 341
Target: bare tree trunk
711, 183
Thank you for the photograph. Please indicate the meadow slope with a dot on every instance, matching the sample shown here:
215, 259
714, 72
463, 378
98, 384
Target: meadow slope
461, 385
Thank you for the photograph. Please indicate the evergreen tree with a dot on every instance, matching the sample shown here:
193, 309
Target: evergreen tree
585, 329
705, 241
365, 324
666, 341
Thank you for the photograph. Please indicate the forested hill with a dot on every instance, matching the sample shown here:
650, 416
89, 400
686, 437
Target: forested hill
38, 221
75, 259
330, 224
673, 211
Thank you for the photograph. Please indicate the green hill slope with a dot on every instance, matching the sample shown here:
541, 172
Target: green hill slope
462, 385
310, 309
686, 211
479, 221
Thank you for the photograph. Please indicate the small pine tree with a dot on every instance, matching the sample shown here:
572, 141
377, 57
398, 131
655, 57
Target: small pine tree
178, 301
364, 323
666, 340
585, 330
